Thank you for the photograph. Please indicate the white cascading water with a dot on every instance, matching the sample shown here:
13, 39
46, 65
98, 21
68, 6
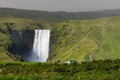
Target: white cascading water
40, 51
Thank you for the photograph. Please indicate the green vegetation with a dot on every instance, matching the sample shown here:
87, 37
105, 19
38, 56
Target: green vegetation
72, 39
84, 40
96, 70
80, 40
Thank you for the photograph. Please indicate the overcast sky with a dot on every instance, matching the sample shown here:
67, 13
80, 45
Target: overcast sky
62, 5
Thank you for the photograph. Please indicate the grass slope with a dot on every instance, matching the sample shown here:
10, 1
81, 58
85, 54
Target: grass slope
84, 40
80, 40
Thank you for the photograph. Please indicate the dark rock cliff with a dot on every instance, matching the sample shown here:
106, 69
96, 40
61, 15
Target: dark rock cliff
22, 41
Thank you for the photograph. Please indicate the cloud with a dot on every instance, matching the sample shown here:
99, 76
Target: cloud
65, 5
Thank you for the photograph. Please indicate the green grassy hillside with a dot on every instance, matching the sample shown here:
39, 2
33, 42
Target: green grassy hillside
84, 40
80, 40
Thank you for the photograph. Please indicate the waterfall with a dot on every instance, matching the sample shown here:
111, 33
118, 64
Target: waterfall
40, 50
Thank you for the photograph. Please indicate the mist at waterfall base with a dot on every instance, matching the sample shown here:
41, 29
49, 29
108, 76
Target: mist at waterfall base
40, 50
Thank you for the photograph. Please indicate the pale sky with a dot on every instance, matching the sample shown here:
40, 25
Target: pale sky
62, 5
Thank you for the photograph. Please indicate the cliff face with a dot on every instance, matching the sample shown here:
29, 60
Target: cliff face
28, 38
22, 41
